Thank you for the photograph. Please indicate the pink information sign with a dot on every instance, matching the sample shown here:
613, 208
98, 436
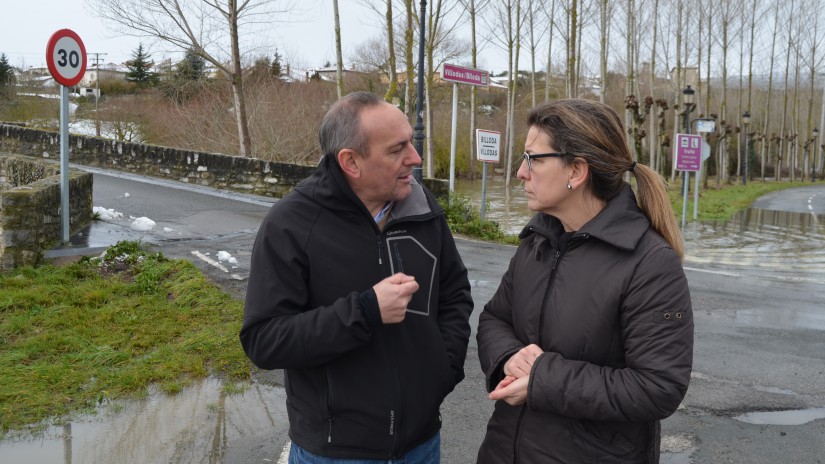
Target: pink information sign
688, 152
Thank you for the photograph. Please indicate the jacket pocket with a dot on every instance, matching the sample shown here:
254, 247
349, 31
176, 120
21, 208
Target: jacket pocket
603, 443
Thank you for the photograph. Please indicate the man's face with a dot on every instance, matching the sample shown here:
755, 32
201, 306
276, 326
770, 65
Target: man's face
386, 169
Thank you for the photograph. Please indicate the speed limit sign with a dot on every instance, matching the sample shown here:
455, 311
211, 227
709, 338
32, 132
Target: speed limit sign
66, 57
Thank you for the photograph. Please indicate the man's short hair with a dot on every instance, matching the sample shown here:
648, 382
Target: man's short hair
341, 127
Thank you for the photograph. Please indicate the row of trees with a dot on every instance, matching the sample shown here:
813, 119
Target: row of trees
636, 55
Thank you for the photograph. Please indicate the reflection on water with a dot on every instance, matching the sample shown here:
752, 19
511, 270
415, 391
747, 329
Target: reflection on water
793, 417
787, 242
192, 426
507, 207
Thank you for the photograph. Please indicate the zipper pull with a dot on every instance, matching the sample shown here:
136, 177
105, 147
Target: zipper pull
556, 259
380, 246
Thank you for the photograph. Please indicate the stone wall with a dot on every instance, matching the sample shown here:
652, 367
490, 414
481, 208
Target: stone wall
30, 197
235, 173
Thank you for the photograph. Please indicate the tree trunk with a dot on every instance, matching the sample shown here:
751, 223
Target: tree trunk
393, 78
339, 61
237, 82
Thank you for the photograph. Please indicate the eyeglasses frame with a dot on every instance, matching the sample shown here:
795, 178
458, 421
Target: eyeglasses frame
528, 157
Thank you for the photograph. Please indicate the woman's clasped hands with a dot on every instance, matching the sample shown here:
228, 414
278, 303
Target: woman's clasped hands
513, 387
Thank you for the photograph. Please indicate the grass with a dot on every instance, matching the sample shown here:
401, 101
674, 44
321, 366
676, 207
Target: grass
716, 204
73, 336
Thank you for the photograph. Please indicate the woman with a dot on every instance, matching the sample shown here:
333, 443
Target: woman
588, 342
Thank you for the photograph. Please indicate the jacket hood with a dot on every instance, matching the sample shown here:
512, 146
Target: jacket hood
621, 223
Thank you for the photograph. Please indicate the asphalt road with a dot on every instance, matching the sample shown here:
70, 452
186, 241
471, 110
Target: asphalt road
760, 333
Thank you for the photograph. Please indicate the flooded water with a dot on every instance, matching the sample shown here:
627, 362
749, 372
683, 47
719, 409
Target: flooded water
193, 426
197, 424
788, 245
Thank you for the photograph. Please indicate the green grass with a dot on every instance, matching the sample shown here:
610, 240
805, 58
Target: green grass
75, 335
721, 203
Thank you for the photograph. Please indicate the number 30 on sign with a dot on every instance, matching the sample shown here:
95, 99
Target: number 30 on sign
66, 57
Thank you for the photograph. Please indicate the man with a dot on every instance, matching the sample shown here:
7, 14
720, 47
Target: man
357, 290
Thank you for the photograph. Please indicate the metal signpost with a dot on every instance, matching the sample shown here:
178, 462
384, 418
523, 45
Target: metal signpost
688, 158
460, 75
66, 58
487, 143
703, 125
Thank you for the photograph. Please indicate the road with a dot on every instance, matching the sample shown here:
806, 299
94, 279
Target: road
760, 328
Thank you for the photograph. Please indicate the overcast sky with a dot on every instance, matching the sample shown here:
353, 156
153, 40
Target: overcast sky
306, 41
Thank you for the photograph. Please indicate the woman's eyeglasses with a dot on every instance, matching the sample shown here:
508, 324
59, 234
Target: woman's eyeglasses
528, 157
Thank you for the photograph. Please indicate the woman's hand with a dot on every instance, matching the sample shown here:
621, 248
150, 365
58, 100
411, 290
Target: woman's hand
511, 390
520, 364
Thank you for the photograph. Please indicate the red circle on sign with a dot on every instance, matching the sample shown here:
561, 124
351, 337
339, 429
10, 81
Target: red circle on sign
59, 69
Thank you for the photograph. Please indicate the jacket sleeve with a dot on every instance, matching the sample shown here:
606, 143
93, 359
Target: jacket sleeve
496, 338
455, 304
278, 329
657, 334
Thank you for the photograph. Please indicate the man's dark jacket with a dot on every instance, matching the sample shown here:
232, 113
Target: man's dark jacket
356, 388
612, 312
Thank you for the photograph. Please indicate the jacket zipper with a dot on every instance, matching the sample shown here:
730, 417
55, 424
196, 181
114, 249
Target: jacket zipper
556, 259
329, 407
395, 413
380, 249
518, 434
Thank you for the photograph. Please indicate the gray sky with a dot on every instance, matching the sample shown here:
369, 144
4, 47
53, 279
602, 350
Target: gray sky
27, 26
306, 41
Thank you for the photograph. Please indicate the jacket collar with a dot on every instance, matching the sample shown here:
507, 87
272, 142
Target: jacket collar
328, 187
621, 223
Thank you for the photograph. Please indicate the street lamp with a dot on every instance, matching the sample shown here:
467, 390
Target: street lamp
746, 121
816, 154
687, 97
418, 137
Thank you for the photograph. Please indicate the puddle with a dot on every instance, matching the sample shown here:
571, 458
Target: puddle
193, 426
792, 417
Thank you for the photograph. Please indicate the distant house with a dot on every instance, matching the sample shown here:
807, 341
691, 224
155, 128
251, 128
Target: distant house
330, 74
107, 72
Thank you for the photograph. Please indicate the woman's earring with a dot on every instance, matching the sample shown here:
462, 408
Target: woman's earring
569, 187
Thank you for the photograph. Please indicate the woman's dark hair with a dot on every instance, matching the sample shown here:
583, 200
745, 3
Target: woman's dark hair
593, 132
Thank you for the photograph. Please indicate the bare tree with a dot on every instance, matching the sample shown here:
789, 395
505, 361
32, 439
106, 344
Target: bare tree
393, 78
784, 135
551, 19
474, 8
339, 61
505, 33
604, 7
199, 26
769, 99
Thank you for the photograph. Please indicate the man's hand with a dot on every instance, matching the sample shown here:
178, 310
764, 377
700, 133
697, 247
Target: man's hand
394, 294
520, 364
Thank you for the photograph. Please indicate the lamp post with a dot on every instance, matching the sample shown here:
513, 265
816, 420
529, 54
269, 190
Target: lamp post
419, 121
746, 121
816, 154
687, 98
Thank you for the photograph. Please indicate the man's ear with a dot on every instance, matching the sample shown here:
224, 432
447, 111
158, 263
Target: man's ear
348, 160
579, 172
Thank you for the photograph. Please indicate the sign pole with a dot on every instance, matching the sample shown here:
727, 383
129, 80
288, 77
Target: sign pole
483, 191
696, 194
686, 177
459, 75
453, 136
487, 144
64, 161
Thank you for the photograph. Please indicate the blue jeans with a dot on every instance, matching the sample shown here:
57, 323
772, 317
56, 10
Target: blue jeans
428, 452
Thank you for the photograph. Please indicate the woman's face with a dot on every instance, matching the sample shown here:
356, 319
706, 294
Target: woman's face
545, 183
